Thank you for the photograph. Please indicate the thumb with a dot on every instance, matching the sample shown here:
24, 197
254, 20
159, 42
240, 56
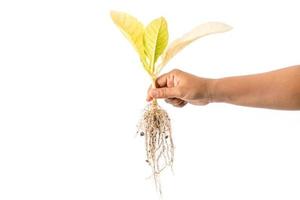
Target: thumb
163, 93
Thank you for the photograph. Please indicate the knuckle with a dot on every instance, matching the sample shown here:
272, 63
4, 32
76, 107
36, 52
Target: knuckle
176, 71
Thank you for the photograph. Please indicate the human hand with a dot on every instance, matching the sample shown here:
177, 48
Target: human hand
179, 88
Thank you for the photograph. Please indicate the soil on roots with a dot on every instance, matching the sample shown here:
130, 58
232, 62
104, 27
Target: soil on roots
156, 128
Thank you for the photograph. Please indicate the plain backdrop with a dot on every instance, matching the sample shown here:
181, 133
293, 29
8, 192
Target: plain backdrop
72, 90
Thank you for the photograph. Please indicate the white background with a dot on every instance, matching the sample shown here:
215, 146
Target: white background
72, 90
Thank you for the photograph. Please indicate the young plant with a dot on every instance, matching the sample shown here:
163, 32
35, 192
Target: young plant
150, 43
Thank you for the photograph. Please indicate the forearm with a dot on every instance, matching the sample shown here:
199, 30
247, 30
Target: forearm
278, 89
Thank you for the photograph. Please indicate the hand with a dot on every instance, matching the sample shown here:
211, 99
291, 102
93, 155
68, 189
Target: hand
179, 88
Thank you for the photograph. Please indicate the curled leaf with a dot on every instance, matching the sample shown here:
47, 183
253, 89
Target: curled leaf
198, 32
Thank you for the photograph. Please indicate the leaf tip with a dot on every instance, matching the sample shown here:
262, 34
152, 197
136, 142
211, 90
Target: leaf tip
228, 27
224, 26
163, 18
113, 14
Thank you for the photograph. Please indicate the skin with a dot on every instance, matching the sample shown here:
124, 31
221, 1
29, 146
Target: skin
279, 89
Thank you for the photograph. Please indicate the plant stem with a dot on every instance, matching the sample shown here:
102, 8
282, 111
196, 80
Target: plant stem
154, 101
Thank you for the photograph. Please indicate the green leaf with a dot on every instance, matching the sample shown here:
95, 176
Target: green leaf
133, 31
155, 40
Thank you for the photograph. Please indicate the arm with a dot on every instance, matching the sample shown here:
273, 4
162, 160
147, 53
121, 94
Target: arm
278, 89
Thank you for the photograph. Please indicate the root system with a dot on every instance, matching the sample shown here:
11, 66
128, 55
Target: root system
156, 128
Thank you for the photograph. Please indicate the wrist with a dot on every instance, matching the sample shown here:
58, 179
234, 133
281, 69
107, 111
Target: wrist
213, 90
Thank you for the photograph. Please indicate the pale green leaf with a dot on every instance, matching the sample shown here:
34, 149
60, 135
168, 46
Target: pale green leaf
155, 40
133, 31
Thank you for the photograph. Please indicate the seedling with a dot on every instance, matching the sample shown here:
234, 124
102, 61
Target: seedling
151, 43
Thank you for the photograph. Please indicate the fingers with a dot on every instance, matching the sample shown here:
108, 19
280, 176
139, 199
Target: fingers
181, 104
173, 101
176, 102
162, 80
165, 87
163, 93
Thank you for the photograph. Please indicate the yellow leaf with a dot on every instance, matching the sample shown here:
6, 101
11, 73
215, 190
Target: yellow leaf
198, 32
155, 40
133, 31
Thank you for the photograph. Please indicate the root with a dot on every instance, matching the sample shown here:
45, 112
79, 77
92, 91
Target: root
156, 128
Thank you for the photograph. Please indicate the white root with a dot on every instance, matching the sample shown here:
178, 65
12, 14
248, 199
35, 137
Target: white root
156, 127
